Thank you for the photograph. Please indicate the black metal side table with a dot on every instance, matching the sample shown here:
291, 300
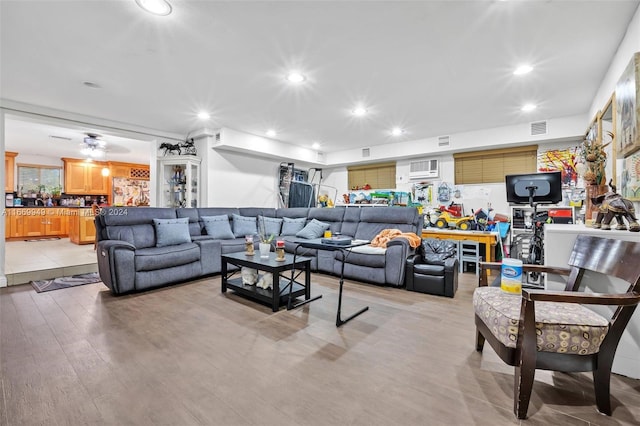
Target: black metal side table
344, 252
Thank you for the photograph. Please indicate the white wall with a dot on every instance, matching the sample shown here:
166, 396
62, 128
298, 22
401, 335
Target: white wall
628, 46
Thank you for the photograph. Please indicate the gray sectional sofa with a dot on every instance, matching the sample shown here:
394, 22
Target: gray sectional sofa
138, 249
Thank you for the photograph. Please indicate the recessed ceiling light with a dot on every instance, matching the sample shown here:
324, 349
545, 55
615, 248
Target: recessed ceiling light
295, 77
523, 69
397, 131
528, 107
315, 145
92, 85
157, 7
359, 111
204, 115
271, 133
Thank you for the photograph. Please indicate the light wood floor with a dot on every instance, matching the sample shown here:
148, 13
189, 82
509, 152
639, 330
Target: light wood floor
189, 355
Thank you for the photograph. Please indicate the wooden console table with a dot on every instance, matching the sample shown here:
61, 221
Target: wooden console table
489, 239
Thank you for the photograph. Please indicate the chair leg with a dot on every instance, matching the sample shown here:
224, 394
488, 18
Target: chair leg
601, 384
479, 341
522, 387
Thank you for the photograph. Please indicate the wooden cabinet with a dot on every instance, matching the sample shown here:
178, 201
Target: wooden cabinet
129, 170
81, 177
37, 222
82, 229
9, 167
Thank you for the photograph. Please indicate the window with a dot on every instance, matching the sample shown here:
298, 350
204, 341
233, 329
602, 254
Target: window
491, 166
33, 178
377, 176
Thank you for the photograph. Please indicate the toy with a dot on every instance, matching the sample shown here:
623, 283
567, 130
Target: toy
447, 220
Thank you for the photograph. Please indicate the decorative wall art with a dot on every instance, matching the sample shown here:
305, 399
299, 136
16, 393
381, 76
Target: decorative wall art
630, 183
628, 109
562, 160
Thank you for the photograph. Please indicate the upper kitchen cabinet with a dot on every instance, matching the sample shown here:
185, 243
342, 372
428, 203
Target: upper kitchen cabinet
81, 177
129, 170
9, 167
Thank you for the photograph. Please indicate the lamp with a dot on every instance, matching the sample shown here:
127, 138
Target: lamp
105, 171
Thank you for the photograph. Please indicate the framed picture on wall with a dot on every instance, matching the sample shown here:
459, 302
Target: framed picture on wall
630, 182
628, 109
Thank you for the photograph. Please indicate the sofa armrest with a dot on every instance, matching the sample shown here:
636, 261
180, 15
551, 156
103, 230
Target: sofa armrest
451, 265
116, 265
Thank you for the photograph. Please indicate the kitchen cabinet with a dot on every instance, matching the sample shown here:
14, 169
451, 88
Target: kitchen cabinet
9, 167
37, 222
129, 170
82, 229
81, 177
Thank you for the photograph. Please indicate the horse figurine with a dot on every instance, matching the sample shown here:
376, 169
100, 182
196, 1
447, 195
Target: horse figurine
168, 147
188, 147
612, 205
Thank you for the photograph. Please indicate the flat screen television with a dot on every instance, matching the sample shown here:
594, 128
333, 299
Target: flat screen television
540, 188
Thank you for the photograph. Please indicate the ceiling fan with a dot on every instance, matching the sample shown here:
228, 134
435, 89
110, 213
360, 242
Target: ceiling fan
93, 146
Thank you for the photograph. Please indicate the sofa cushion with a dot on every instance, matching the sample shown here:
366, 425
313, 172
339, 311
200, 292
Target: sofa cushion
272, 225
171, 232
291, 226
218, 227
313, 229
154, 258
372, 260
244, 225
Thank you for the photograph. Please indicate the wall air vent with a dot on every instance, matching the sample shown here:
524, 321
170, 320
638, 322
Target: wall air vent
423, 169
443, 141
365, 152
539, 128
218, 137
320, 157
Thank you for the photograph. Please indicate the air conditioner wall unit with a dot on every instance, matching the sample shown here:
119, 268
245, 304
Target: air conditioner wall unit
424, 169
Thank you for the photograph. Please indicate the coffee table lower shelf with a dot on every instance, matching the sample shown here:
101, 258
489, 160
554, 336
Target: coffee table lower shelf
266, 295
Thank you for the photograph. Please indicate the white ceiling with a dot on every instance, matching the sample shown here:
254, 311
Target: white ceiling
431, 67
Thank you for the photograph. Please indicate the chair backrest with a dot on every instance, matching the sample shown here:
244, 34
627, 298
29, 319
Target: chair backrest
436, 251
607, 256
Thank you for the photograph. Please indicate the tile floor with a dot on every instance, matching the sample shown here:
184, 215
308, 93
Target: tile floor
42, 259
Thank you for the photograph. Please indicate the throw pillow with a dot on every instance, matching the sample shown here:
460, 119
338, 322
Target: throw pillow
218, 227
244, 225
170, 232
272, 225
314, 229
292, 226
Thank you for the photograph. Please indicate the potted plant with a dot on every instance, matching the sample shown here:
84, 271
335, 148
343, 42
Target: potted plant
265, 240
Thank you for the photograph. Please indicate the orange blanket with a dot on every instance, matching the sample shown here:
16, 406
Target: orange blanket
385, 236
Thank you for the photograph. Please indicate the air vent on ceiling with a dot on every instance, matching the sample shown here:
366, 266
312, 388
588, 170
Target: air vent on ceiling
423, 169
443, 141
539, 128
365, 152
59, 137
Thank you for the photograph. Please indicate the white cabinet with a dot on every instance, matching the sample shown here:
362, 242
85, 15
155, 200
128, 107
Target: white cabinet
179, 181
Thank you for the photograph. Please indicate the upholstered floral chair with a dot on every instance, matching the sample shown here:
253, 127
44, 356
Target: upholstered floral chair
552, 330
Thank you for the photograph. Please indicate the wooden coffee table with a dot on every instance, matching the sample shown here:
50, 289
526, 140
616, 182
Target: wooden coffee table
279, 294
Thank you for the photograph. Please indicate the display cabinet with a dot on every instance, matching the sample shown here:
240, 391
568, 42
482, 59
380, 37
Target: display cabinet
179, 181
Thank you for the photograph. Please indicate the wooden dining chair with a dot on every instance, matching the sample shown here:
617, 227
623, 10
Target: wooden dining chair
552, 330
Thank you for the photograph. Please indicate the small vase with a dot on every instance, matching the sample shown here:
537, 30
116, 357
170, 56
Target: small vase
264, 248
